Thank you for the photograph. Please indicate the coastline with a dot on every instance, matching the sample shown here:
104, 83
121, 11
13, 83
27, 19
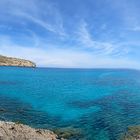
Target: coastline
16, 131
10, 61
132, 133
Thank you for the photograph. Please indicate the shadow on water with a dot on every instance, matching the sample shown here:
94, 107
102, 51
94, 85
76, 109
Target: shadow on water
118, 111
13, 109
9, 83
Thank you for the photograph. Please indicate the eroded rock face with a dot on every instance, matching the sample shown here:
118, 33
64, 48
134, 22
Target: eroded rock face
9, 61
15, 131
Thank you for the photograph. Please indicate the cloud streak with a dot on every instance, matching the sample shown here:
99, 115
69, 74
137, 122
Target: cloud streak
128, 12
44, 13
47, 33
68, 58
99, 47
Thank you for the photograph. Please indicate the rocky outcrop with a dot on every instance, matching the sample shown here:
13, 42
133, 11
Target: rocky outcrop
69, 133
133, 133
9, 61
16, 131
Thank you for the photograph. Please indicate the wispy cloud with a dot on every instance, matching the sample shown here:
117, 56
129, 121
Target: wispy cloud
106, 48
65, 58
43, 13
135, 28
57, 57
128, 12
45, 32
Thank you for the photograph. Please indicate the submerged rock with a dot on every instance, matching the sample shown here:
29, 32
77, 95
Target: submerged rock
2, 110
9, 61
17, 131
133, 133
68, 132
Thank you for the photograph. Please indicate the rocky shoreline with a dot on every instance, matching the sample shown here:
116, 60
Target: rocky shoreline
17, 131
10, 61
133, 133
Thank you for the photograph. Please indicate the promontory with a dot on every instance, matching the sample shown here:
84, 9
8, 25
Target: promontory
10, 61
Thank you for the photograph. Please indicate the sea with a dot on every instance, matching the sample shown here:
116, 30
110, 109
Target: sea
86, 104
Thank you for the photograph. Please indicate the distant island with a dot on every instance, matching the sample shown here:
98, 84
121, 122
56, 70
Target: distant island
10, 61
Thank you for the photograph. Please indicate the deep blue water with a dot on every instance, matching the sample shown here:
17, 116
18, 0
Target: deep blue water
100, 103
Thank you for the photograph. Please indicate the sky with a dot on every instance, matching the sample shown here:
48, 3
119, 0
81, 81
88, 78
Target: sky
72, 33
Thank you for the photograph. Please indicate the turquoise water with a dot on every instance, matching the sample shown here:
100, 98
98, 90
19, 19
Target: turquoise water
100, 103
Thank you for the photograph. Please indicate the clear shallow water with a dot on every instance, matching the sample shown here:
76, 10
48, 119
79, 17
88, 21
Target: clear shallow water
101, 103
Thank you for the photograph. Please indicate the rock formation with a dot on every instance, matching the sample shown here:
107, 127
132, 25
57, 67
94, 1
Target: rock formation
16, 131
133, 133
9, 61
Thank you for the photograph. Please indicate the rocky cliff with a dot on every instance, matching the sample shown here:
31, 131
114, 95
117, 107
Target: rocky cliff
15, 131
9, 61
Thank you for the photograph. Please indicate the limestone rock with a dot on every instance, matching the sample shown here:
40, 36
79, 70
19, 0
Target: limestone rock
15, 131
9, 61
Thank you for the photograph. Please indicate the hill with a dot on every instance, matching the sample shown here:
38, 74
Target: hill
10, 61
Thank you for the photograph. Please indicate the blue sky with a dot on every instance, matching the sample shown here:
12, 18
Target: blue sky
72, 33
